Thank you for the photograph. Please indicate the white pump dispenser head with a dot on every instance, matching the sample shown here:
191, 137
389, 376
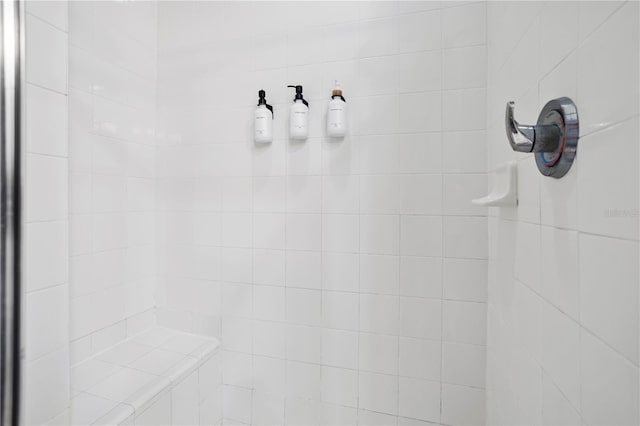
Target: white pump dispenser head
337, 113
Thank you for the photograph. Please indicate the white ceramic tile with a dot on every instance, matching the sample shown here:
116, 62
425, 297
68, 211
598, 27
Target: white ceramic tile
340, 310
420, 31
556, 409
561, 283
379, 274
462, 405
340, 233
340, 271
158, 413
269, 375
560, 351
47, 253
420, 71
378, 392
430, 187
47, 178
304, 306
610, 212
420, 358
48, 379
340, 194
340, 386
86, 408
156, 362
465, 279
269, 339
303, 344
421, 235
340, 348
303, 232
377, 37
235, 402
591, 15
464, 67
420, 112
420, 318
46, 62
595, 101
420, 276
379, 313
465, 237
47, 132
54, 13
458, 191
366, 417
378, 353
609, 384
125, 353
303, 381
420, 153
464, 152
47, 321
466, 103
463, 364
269, 303
185, 402
267, 409
464, 26
379, 234
269, 267
413, 393
304, 269
610, 311
464, 322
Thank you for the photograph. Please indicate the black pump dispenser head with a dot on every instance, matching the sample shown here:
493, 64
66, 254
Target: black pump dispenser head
262, 100
299, 95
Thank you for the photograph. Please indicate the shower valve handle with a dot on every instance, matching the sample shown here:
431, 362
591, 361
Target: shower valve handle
531, 138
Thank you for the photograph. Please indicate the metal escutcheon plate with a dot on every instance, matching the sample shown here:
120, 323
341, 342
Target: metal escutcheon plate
562, 112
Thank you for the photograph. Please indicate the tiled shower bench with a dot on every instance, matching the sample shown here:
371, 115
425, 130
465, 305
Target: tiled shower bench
158, 377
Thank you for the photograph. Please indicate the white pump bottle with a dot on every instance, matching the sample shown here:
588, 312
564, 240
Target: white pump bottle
263, 120
299, 116
337, 113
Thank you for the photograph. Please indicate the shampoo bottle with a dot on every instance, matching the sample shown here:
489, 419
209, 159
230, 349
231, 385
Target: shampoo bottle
263, 120
337, 113
299, 116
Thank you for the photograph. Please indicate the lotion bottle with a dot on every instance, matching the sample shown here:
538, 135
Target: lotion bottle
263, 120
299, 116
337, 113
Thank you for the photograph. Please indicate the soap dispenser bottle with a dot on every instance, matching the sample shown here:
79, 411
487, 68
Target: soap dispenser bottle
299, 116
263, 120
337, 113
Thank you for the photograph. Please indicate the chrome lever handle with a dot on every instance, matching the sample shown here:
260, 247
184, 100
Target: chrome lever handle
527, 138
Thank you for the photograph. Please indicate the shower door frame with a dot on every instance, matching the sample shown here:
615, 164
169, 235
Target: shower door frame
12, 50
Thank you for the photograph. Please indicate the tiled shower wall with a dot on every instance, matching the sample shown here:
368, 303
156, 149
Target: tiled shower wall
563, 266
346, 278
112, 64
46, 318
